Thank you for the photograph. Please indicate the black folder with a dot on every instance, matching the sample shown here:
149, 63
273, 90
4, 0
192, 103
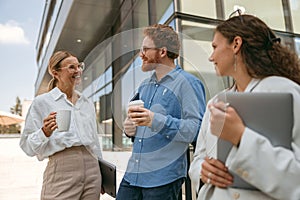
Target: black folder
109, 176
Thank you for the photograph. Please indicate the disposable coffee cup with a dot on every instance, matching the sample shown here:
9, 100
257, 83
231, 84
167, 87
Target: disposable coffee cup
139, 103
63, 118
136, 103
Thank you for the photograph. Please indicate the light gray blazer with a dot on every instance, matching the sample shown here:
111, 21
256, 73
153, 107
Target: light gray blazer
274, 171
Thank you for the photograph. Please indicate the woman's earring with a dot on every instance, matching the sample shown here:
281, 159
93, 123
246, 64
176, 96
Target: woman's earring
234, 65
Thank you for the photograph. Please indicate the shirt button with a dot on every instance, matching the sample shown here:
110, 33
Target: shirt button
137, 161
140, 140
167, 136
245, 174
239, 171
236, 195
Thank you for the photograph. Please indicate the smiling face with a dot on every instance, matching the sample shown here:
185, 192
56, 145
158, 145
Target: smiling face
69, 73
223, 55
149, 55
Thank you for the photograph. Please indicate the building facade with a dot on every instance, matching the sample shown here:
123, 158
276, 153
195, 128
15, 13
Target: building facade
107, 35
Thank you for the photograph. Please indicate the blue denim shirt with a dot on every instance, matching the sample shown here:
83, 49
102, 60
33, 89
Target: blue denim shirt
159, 152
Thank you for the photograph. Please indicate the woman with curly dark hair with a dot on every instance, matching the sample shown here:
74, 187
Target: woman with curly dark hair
247, 50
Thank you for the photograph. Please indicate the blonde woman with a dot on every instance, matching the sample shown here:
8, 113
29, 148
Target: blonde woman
72, 171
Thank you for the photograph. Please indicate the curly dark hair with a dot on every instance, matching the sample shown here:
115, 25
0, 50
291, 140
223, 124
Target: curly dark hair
261, 50
164, 36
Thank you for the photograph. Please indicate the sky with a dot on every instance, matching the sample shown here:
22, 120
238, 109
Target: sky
20, 22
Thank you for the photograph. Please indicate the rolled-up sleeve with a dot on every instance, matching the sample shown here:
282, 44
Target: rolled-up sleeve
33, 139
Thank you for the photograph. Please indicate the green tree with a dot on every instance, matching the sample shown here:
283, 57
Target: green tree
14, 128
17, 109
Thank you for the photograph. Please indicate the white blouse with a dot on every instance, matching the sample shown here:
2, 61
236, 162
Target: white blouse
83, 127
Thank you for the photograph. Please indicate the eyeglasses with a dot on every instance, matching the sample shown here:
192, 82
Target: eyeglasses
237, 12
73, 68
144, 49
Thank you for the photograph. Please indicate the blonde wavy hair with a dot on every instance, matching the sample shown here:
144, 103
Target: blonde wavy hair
54, 65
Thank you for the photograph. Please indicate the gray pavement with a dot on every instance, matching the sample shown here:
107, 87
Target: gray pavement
21, 176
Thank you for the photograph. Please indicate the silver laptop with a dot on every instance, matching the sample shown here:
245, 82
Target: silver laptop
269, 114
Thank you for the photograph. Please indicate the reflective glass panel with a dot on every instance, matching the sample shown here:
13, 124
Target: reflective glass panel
197, 48
204, 8
270, 11
295, 11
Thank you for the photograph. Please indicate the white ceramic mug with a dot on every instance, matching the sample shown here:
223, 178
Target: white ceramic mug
63, 119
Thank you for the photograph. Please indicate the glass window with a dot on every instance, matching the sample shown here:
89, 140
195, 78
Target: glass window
108, 74
50, 28
203, 8
140, 14
196, 44
169, 10
297, 46
270, 11
97, 62
295, 11
99, 90
104, 116
130, 82
160, 11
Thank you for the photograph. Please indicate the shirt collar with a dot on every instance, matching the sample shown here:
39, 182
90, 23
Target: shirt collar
172, 74
56, 93
251, 85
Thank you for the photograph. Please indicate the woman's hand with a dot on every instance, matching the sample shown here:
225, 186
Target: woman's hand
216, 173
49, 124
140, 116
226, 123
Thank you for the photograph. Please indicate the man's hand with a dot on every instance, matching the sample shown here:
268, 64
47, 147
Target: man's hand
140, 116
129, 127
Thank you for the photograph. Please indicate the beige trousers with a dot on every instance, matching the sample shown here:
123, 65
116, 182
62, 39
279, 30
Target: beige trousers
72, 174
